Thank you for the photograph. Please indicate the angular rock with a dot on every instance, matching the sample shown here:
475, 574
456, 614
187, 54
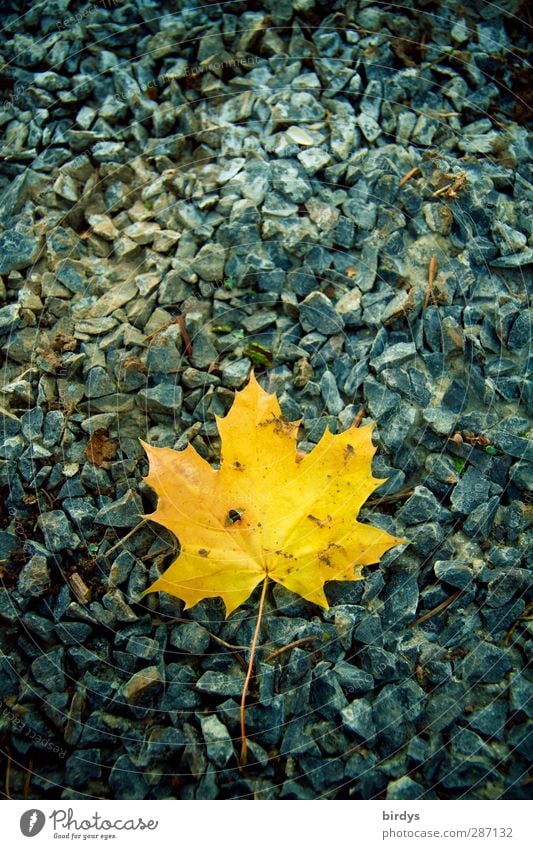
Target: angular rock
220, 684
34, 577
486, 663
357, 719
144, 687
125, 512
57, 531
18, 250
217, 739
317, 313
48, 670
290, 179
164, 398
454, 573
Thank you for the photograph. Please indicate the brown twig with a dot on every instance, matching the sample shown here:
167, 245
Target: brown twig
432, 273
151, 556
249, 673
27, 779
49, 498
160, 329
436, 610
230, 646
408, 176
359, 417
187, 345
457, 184
292, 645
123, 540
387, 499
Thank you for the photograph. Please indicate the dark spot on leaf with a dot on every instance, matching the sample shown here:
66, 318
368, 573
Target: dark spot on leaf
281, 424
324, 556
322, 523
238, 466
233, 517
203, 552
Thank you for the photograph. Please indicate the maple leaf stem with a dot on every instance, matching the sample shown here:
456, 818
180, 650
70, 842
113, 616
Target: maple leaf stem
250, 670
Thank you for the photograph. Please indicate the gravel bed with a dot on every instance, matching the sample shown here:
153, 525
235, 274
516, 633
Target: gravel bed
338, 196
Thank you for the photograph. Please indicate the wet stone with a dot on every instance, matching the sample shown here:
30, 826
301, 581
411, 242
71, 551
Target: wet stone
57, 531
508, 240
394, 355
486, 663
164, 398
383, 664
217, 739
48, 670
12, 447
521, 332
163, 355
34, 577
126, 781
521, 694
326, 695
472, 490
369, 631
422, 506
98, 383
9, 423
9, 679
302, 281
490, 720
82, 767
52, 428
143, 648
400, 599
354, 681
209, 263
143, 688
236, 373
405, 788
357, 719
330, 394
190, 637
318, 313
125, 512
369, 127
220, 684
481, 518
9, 318
73, 633
290, 179
454, 573
517, 260
506, 582
17, 250
114, 602
306, 149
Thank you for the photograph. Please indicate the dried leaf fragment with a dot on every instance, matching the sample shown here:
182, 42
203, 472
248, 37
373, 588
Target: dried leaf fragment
265, 512
100, 449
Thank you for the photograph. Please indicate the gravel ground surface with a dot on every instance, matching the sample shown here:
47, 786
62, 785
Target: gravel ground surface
339, 196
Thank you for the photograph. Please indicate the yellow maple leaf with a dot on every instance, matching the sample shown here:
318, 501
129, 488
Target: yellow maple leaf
267, 512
